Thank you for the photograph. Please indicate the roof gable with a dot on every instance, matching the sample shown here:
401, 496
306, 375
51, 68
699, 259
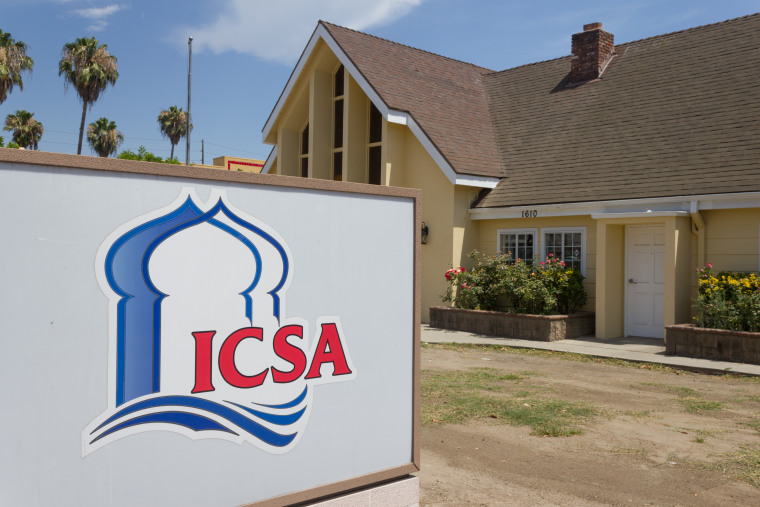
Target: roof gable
445, 97
443, 101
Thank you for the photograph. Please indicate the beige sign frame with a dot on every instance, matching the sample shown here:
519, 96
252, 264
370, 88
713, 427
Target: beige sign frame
49, 159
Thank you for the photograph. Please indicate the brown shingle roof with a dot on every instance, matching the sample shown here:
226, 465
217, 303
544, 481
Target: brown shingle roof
445, 97
676, 114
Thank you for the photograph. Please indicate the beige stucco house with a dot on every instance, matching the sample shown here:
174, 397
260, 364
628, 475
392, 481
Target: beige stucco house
635, 162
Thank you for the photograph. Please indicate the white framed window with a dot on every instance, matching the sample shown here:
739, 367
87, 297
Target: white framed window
520, 243
567, 244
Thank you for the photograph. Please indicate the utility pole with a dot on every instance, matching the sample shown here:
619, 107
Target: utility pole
203, 153
189, 76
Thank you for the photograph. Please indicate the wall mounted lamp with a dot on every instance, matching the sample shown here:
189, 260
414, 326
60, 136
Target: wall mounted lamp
425, 231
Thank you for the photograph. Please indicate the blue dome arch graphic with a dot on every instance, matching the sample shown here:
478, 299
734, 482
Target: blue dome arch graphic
138, 351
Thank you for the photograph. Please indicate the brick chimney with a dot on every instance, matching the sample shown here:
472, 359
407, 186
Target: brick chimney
593, 49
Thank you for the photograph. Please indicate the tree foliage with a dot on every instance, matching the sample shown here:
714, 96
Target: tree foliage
26, 130
103, 137
144, 156
173, 124
89, 68
13, 61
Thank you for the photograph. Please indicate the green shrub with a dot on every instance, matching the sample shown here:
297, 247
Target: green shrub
480, 287
540, 288
728, 300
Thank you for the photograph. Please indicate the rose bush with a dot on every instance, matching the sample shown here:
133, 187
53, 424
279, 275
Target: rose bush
540, 288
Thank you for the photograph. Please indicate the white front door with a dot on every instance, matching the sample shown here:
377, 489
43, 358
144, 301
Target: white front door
645, 281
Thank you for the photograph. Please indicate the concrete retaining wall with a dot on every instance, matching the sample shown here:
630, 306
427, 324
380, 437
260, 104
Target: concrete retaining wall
547, 328
720, 344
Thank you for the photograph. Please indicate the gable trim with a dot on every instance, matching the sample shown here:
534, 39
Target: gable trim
270, 160
391, 115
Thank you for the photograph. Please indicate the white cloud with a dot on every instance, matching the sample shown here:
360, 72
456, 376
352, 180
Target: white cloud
279, 30
98, 15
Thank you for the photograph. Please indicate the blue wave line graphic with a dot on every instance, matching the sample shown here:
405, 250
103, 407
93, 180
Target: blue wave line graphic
193, 421
252, 427
289, 404
273, 418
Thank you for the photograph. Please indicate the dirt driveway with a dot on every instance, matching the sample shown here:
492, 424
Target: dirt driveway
638, 435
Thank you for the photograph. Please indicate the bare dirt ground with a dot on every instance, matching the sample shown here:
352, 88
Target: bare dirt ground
658, 437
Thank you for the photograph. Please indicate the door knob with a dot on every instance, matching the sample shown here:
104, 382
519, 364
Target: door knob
631, 280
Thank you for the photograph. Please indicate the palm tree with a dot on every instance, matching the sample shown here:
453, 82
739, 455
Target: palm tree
89, 68
103, 137
173, 124
26, 130
13, 60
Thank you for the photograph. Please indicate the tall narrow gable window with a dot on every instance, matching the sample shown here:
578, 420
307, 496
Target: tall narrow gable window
304, 152
338, 95
375, 146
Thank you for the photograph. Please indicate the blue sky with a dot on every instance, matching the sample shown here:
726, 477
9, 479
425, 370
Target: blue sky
244, 51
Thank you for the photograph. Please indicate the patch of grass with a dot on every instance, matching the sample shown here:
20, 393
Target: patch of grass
683, 392
751, 379
583, 358
487, 379
456, 397
743, 464
695, 406
637, 414
690, 399
703, 434
755, 425
569, 356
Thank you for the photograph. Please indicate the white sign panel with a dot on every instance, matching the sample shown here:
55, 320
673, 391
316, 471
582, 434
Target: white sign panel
185, 342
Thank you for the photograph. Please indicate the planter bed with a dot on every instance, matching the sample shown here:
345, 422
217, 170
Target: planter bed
721, 344
546, 328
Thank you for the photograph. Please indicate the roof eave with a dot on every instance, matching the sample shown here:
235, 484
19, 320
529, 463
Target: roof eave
639, 207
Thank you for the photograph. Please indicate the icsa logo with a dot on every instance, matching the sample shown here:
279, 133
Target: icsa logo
198, 339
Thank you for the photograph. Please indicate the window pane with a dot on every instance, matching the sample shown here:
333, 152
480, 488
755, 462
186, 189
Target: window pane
567, 247
304, 167
338, 166
305, 140
374, 165
519, 246
525, 247
508, 244
553, 244
375, 125
338, 131
339, 80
